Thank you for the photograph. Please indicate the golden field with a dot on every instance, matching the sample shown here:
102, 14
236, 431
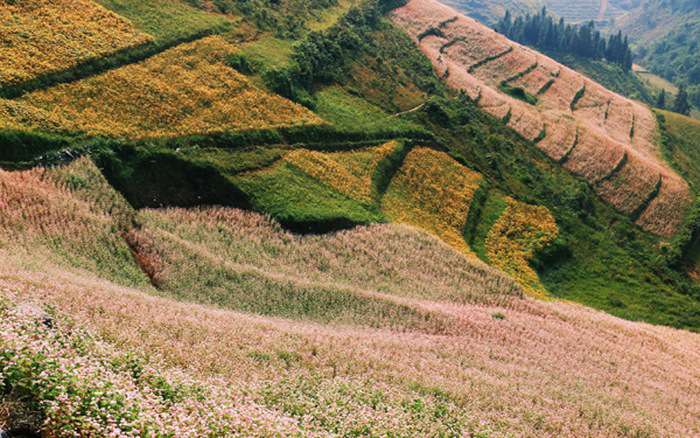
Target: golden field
515, 238
43, 36
432, 191
183, 91
349, 173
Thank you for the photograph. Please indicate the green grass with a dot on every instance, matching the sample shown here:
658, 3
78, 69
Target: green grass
353, 113
301, 202
492, 208
268, 53
165, 19
328, 17
682, 149
231, 162
518, 93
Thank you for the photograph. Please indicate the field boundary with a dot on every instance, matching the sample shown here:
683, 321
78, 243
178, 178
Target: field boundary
472, 68
102, 64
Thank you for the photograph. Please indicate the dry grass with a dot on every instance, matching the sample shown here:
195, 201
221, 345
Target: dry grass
43, 36
635, 174
390, 259
530, 125
571, 109
505, 67
535, 81
432, 191
184, 91
515, 238
663, 214
539, 369
595, 156
562, 136
350, 173
50, 211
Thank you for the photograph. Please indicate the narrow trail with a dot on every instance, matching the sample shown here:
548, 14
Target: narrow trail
603, 9
412, 110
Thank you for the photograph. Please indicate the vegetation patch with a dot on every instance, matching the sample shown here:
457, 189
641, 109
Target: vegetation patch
351, 173
433, 192
186, 90
519, 233
43, 36
166, 19
301, 202
69, 382
519, 93
71, 216
353, 113
187, 269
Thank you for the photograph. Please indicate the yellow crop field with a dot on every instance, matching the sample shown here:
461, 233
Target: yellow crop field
183, 91
432, 191
348, 172
42, 36
517, 235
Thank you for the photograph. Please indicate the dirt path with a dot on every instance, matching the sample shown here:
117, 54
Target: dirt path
603, 9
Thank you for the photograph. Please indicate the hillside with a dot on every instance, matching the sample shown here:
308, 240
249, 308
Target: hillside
665, 35
334, 218
409, 353
570, 117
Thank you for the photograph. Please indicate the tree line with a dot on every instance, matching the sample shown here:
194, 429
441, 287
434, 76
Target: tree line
542, 32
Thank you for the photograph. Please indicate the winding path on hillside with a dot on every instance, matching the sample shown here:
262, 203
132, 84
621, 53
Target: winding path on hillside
603, 9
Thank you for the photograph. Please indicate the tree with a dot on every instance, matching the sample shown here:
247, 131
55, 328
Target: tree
682, 106
541, 31
661, 101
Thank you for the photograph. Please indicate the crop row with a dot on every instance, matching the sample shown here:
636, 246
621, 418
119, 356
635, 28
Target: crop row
186, 90
607, 139
43, 36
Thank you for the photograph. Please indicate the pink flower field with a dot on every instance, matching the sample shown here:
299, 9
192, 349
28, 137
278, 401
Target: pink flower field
473, 58
441, 344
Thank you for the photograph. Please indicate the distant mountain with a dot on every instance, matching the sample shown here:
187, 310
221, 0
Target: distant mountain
666, 35
490, 11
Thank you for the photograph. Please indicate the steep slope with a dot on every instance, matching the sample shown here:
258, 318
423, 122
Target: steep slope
139, 297
606, 139
187, 90
29, 50
172, 360
549, 364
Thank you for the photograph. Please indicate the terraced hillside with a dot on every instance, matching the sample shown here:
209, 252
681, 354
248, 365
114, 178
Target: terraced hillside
275, 219
403, 332
30, 50
606, 139
217, 99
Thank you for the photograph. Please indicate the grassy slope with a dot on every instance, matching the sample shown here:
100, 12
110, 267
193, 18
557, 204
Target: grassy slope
491, 350
600, 258
682, 150
165, 20
548, 364
610, 76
